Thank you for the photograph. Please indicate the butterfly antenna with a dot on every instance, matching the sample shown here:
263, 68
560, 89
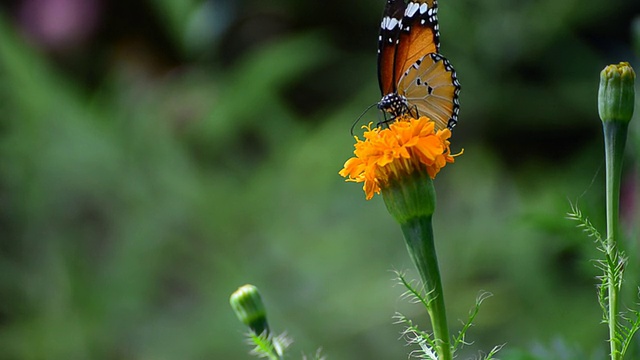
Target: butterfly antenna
360, 117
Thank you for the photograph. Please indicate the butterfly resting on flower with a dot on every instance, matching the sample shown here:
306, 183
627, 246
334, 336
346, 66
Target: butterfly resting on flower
419, 91
414, 78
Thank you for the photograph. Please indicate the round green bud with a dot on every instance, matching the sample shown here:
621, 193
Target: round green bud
247, 304
616, 95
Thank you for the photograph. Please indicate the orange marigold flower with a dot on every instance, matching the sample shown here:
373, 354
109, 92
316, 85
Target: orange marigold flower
407, 145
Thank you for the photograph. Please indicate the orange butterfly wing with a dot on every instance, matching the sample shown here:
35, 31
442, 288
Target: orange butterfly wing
387, 43
408, 31
419, 35
431, 86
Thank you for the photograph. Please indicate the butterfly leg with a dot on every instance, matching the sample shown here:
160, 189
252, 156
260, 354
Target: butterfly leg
413, 111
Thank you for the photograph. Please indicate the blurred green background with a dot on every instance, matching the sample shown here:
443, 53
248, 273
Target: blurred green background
156, 155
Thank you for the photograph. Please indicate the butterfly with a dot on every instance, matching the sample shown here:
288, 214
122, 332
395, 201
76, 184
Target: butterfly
414, 77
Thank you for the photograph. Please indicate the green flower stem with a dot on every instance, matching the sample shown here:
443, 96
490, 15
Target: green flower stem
411, 200
615, 135
418, 234
616, 100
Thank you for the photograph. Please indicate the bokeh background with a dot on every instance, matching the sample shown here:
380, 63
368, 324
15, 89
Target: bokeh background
156, 155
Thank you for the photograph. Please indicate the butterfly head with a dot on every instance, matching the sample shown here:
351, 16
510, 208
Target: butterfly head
394, 104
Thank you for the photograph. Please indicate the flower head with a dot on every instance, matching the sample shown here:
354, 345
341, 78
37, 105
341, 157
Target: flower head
406, 146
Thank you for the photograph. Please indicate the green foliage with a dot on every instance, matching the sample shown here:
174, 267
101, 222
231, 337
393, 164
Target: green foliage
274, 347
627, 329
459, 340
612, 267
269, 347
425, 340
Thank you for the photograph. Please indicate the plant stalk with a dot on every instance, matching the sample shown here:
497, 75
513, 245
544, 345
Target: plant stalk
418, 234
615, 135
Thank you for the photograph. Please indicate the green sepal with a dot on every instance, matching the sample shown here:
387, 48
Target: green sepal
410, 196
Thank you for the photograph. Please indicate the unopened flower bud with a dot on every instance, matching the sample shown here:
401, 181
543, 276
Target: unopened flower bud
247, 304
616, 95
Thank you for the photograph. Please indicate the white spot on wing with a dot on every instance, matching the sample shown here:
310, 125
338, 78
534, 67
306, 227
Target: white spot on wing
411, 9
393, 22
388, 23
